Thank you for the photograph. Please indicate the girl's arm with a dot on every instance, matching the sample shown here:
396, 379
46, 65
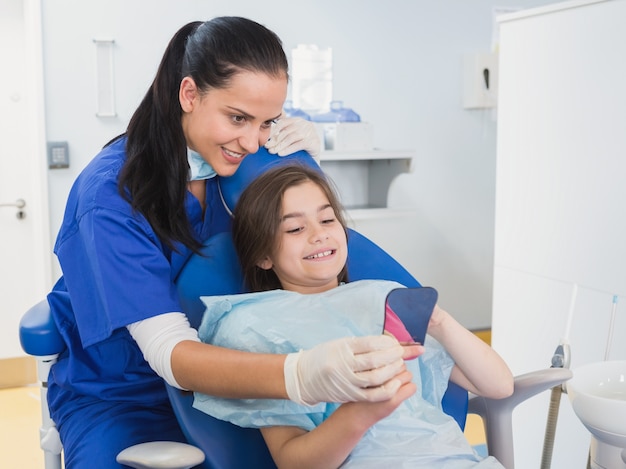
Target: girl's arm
328, 445
478, 368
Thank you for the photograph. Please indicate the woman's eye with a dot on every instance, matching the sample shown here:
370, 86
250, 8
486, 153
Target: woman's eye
328, 221
238, 119
268, 124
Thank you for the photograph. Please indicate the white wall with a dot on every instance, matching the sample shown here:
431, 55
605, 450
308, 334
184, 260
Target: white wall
398, 63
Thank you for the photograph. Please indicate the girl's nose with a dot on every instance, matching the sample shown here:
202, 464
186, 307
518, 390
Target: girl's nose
319, 234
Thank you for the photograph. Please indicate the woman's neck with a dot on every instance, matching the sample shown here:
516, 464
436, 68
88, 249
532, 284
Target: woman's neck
198, 190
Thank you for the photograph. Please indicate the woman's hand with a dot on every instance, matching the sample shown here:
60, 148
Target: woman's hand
292, 134
344, 370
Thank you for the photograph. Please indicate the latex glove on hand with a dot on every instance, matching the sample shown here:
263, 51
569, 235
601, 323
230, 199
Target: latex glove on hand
345, 370
292, 134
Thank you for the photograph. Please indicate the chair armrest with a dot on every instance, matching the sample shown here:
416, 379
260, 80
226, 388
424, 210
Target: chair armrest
161, 454
497, 413
39, 335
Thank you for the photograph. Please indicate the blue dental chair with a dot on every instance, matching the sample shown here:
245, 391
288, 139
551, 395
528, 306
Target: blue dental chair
214, 444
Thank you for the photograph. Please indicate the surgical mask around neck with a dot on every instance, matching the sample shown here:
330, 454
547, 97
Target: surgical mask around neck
198, 168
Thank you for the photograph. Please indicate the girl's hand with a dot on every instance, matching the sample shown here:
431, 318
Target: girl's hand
412, 350
368, 413
437, 317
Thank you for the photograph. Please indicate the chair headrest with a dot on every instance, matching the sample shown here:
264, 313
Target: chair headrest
253, 166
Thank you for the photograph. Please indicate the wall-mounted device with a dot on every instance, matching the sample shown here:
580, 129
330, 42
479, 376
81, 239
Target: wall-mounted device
58, 155
480, 81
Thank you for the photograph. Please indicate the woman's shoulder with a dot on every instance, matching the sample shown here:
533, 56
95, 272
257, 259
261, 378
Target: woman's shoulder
95, 189
96, 185
106, 164
96, 205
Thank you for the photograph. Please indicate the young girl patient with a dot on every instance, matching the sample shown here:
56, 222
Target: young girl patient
291, 240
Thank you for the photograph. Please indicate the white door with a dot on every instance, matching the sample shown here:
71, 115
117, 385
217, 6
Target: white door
25, 272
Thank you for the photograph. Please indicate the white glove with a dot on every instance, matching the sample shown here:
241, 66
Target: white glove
345, 370
292, 134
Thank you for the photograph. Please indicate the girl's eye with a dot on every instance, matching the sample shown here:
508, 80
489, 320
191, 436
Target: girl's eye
328, 221
294, 230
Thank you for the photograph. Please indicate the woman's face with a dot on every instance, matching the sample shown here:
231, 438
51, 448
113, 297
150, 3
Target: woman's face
311, 248
224, 125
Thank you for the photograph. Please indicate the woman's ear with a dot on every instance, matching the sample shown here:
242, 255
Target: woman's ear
265, 264
187, 94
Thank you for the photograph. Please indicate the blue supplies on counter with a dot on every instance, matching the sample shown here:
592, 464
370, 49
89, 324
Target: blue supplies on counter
291, 111
337, 113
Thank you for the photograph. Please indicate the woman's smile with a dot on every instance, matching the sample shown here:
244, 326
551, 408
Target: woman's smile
236, 157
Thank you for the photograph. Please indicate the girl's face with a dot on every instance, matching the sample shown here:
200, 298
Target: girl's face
311, 248
224, 125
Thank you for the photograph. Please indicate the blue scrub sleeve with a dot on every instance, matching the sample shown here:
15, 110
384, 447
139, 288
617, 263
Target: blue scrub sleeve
116, 272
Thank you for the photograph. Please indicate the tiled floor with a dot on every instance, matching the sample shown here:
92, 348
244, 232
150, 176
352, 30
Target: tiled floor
20, 418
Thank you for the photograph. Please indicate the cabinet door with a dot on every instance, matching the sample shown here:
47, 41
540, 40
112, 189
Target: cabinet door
561, 187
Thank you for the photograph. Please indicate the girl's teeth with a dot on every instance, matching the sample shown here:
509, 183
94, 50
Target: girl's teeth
321, 254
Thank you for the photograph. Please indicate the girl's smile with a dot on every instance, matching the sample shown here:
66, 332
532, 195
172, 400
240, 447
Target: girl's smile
321, 255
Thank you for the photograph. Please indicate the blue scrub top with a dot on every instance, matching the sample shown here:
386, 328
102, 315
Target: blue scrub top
116, 271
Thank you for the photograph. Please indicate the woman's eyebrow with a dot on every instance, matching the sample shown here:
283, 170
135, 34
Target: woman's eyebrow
249, 116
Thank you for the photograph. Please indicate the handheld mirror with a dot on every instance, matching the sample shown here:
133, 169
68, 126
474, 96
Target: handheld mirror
413, 306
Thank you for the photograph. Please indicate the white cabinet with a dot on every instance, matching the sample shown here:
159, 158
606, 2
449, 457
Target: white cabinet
363, 178
560, 193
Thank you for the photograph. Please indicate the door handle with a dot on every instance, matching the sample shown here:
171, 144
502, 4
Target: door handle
19, 204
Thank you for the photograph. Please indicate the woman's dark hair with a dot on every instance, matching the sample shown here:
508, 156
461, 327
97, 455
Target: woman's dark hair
258, 215
155, 175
